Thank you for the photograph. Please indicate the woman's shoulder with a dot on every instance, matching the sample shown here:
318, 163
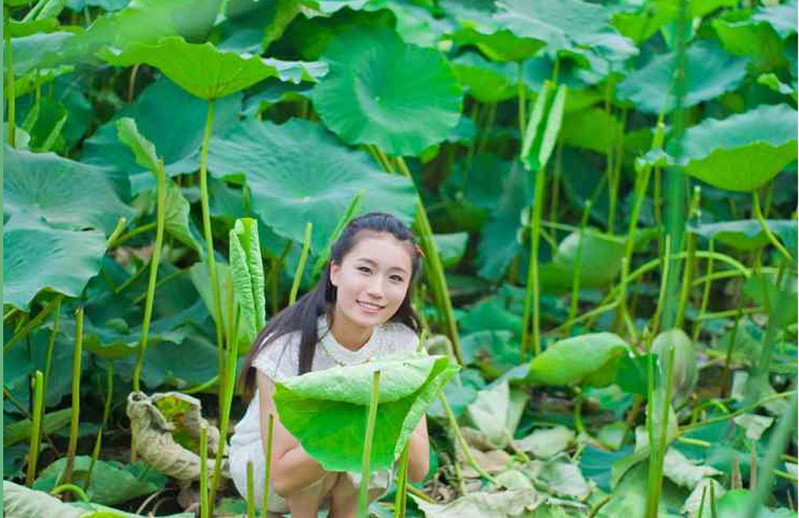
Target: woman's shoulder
278, 358
399, 337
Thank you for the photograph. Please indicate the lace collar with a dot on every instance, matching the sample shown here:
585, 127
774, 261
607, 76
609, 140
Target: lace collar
340, 354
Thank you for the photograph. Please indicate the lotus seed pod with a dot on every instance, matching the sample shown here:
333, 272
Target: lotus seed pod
684, 371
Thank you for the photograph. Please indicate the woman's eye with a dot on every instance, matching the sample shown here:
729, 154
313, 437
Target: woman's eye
397, 278
364, 269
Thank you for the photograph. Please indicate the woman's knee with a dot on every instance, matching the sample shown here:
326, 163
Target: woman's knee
316, 490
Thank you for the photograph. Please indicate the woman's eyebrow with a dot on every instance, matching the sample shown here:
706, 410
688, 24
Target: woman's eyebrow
369, 261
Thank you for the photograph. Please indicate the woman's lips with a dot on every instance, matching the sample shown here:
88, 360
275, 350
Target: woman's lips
367, 307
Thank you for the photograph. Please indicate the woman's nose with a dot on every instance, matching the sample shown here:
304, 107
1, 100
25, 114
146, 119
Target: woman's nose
375, 287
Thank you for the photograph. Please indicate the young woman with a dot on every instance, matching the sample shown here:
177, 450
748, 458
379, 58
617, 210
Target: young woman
359, 310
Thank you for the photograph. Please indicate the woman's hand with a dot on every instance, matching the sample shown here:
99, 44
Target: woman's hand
419, 452
292, 468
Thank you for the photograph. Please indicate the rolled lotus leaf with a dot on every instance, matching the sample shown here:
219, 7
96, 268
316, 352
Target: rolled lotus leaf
685, 372
247, 269
154, 434
21, 502
327, 410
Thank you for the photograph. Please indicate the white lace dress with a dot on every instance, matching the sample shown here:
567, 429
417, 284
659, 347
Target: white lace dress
280, 360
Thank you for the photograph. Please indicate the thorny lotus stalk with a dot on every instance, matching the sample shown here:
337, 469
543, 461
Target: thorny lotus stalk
109, 395
401, 498
306, 245
154, 260
204, 471
36, 428
74, 422
268, 467
250, 497
575, 294
366, 467
209, 244
435, 269
33, 323
48, 360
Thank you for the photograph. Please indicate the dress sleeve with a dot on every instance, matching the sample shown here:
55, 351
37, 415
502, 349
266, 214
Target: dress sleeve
406, 339
274, 360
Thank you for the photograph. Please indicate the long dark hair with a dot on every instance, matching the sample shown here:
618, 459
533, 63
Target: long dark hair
304, 313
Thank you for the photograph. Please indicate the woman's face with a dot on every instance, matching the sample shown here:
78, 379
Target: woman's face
372, 279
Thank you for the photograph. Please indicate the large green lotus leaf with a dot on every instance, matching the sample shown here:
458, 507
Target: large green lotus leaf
744, 151
37, 257
403, 108
145, 21
782, 17
496, 413
593, 129
589, 358
486, 81
500, 239
490, 314
475, 25
111, 482
37, 50
298, 172
709, 71
169, 117
735, 504
748, 234
743, 36
451, 247
327, 410
165, 363
641, 22
247, 269
601, 261
46, 188
569, 25
205, 71
115, 339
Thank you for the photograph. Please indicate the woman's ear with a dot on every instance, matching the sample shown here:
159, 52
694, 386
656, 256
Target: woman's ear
334, 268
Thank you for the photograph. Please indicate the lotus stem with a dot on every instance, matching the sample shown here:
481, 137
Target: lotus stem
663, 284
688, 274
48, 361
657, 450
147, 227
402, 485
773, 240
268, 467
117, 231
12, 93
132, 279
462, 441
106, 414
70, 487
575, 295
33, 323
155, 259
743, 410
779, 440
435, 269
164, 280
532, 288
76, 371
209, 239
521, 95
250, 497
725, 375
132, 82
705, 293
202, 386
306, 245
274, 273
578, 412
36, 429
204, 471
366, 471
226, 390
556, 176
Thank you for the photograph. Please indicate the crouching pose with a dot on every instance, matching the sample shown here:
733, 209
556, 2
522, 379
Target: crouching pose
360, 310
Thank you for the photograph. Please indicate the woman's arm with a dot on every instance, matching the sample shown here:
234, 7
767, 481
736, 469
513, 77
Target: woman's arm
419, 452
292, 467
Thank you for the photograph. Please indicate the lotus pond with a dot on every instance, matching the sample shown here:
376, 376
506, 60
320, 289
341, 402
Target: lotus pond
605, 194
